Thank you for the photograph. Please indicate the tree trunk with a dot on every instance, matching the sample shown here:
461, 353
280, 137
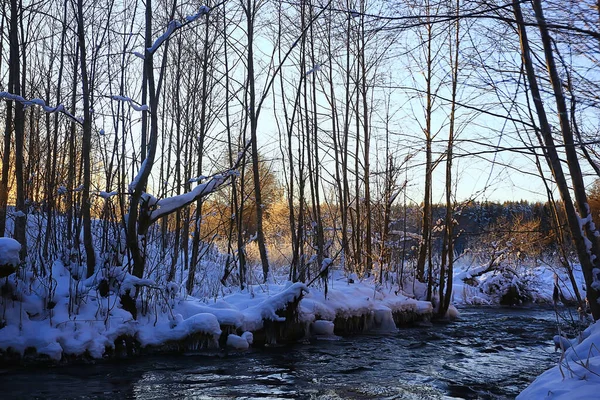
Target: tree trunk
252, 113
447, 266
86, 148
426, 221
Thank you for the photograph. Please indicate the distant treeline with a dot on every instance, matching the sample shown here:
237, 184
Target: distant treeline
475, 221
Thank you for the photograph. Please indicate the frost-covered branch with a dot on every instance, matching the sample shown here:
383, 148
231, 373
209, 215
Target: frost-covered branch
41, 103
314, 69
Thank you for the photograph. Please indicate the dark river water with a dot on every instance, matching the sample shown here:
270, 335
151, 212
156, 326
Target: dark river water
489, 353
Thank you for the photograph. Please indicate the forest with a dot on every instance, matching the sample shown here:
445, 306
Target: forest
162, 149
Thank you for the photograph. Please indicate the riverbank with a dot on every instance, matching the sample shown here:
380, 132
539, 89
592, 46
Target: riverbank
471, 358
88, 321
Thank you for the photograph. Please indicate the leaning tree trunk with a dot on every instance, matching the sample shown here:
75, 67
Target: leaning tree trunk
580, 225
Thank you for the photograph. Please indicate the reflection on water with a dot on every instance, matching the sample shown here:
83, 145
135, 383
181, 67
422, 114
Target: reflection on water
488, 354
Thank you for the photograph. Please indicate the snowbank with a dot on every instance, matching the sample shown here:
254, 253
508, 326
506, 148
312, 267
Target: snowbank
377, 304
63, 314
267, 309
577, 375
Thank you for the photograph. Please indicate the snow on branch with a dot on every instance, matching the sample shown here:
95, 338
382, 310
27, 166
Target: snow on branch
395, 195
175, 25
107, 195
255, 316
314, 69
39, 102
163, 207
134, 104
137, 178
197, 179
170, 204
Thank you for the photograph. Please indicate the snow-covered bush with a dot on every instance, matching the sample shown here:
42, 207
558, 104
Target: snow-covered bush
508, 287
9, 256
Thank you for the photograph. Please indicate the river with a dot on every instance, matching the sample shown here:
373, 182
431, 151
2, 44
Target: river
490, 353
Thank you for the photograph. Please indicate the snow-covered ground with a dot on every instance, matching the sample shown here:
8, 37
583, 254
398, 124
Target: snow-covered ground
74, 316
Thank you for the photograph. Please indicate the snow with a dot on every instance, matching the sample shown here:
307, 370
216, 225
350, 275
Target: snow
315, 68
237, 342
249, 337
72, 327
347, 300
475, 286
9, 251
137, 178
171, 27
225, 316
130, 282
163, 332
452, 312
85, 319
255, 315
325, 264
150, 200
596, 282
53, 350
197, 179
577, 375
561, 342
322, 327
